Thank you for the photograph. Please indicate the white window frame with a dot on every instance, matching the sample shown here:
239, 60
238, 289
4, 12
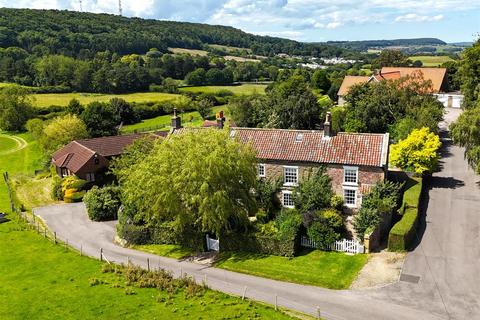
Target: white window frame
348, 168
291, 184
64, 172
264, 174
284, 192
350, 205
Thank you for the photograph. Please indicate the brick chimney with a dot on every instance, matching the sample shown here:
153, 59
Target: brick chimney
220, 120
327, 126
176, 120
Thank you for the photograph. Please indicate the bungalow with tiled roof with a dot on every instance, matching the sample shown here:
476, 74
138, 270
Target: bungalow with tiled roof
87, 158
437, 76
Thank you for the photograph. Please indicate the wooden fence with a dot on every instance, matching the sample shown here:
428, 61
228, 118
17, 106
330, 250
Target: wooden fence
344, 245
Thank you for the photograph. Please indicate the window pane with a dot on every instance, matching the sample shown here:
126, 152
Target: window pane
287, 200
349, 196
350, 175
291, 175
261, 170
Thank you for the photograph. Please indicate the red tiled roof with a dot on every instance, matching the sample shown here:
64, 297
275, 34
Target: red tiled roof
393, 75
365, 149
350, 81
73, 156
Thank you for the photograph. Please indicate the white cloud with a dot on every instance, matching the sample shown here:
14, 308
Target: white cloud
289, 18
413, 17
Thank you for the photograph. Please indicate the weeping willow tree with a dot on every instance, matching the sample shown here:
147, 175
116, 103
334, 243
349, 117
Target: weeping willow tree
200, 178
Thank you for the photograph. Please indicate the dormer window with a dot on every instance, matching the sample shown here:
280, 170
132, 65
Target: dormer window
299, 137
95, 159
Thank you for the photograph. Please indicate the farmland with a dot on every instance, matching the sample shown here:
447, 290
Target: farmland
238, 90
62, 99
431, 61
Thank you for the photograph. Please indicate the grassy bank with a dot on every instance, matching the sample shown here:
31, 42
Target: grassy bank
332, 270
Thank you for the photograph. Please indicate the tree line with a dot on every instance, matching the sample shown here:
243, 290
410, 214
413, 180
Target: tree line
82, 35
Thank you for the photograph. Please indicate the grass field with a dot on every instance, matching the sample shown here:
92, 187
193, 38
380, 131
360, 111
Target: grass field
24, 161
189, 119
6, 144
431, 61
193, 52
62, 99
238, 90
332, 270
229, 48
41, 280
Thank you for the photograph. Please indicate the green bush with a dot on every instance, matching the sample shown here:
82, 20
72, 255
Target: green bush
336, 202
288, 224
134, 234
326, 227
402, 235
403, 232
256, 243
102, 203
57, 193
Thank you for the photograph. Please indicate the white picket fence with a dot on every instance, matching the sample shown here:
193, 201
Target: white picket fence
344, 245
213, 244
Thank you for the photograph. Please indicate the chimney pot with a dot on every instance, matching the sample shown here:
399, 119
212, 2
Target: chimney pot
327, 126
176, 120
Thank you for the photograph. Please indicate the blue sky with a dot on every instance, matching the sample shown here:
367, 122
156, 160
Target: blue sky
304, 20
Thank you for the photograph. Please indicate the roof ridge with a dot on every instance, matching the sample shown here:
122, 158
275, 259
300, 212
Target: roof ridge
275, 129
84, 146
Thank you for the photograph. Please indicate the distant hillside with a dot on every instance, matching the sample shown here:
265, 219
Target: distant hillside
368, 44
81, 34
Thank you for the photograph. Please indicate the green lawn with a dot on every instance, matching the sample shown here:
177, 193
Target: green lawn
240, 89
6, 144
62, 99
332, 270
166, 250
24, 161
431, 61
189, 119
40, 280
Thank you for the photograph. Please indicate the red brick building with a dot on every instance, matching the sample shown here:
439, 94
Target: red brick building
354, 161
87, 158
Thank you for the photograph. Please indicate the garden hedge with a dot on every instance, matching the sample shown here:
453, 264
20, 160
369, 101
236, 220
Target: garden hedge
255, 243
138, 234
402, 235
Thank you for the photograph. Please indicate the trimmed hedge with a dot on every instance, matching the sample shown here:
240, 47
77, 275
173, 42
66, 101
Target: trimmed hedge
403, 232
255, 243
137, 234
402, 235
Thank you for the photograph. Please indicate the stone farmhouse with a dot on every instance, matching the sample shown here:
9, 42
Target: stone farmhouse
436, 75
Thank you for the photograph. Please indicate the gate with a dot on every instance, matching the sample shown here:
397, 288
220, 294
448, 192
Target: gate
212, 244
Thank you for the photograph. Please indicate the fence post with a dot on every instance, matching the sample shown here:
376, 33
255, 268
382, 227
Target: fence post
276, 304
148, 264
81, 250
101, 254
319, 316
55, 237
244, 292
